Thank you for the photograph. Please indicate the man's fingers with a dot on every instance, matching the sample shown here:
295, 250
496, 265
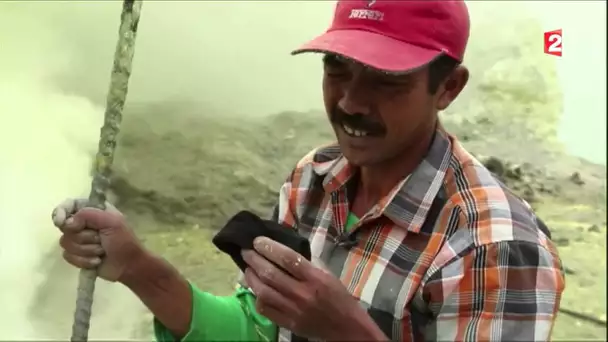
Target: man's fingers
59, 216
85, 237
267, 298
62, 212
66, 209
73, 247
270, 274
276, 316
288, 259
71, 206
73, 225
81, 262
97, 219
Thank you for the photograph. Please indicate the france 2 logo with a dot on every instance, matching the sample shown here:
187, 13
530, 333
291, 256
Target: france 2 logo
553, 42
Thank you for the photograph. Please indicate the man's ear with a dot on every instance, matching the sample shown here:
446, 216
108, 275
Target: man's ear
452, 86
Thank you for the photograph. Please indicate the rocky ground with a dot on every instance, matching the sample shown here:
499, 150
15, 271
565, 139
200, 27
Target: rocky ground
180, 174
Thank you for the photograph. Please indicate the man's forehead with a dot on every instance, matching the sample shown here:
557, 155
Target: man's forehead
336, 58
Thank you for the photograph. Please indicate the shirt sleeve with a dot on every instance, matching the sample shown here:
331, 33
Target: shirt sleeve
233, 318
222, 318
503, 291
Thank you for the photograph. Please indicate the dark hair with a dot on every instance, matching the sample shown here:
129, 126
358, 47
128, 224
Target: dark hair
439, 70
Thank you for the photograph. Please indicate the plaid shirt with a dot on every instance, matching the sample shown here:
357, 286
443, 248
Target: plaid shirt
449, 255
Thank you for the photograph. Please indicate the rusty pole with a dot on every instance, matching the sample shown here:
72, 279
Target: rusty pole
121, 70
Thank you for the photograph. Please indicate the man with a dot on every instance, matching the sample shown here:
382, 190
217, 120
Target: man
417, 239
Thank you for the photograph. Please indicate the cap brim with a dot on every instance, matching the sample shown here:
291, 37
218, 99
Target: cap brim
372, 49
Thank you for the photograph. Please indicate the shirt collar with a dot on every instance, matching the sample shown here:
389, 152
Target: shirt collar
409, 202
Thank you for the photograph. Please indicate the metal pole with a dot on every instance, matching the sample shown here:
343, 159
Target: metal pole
121, 70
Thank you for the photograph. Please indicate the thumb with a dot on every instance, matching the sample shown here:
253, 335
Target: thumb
97, 219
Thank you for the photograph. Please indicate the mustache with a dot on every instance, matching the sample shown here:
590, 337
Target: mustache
356, 121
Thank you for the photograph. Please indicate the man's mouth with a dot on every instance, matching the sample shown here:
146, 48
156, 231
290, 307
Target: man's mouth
358, 133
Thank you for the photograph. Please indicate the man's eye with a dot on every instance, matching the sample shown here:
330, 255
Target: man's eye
391, 84
336, 73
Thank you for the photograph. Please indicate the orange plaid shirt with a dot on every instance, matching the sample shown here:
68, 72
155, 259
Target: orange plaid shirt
449, 255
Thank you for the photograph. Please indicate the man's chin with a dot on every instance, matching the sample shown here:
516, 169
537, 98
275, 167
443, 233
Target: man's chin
358, 158
358, 153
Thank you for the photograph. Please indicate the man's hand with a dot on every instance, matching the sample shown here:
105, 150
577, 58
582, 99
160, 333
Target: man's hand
96, 238
307, 300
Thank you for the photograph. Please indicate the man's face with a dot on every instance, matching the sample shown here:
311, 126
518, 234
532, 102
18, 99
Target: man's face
377, 116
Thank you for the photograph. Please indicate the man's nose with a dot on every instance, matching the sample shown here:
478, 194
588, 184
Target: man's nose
352, 103
356, 98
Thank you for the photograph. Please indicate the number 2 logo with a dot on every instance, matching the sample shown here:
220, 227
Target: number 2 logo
553, 42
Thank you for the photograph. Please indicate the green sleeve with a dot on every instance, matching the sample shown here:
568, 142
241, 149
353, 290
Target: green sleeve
222, 318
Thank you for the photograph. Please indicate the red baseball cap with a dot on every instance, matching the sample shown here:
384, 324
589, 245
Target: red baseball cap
395, 36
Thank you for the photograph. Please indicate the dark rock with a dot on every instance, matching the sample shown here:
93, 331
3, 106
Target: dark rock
495, 165
523, 179
594, 229
576, 178
529, 194
515, 172
484, 121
